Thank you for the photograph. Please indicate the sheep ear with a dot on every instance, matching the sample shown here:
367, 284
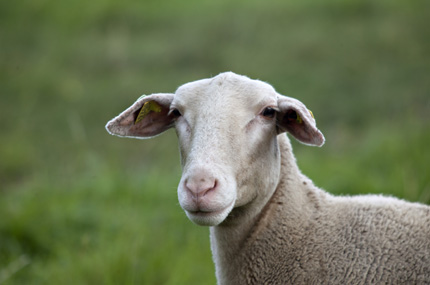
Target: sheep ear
147, 117
295, 118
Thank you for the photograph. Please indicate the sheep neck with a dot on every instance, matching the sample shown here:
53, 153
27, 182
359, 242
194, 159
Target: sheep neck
229, 238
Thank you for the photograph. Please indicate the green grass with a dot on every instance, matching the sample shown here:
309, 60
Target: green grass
81, 207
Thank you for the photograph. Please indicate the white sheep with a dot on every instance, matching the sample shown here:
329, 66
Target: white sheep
269, 223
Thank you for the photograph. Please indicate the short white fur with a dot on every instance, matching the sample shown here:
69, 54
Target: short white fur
269, 223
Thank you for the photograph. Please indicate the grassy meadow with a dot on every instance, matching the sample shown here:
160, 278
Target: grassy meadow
78, 206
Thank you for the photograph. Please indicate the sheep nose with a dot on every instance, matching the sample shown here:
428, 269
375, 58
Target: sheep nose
198, 185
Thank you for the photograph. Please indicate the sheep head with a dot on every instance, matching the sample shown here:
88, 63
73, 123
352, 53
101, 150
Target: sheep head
227, 128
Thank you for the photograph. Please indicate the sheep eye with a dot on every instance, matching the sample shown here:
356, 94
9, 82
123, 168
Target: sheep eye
175, 113
268, 112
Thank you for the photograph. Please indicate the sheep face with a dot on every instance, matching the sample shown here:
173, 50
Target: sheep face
227, 128
227, 135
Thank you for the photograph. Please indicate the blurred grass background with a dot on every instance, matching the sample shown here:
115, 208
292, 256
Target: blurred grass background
79, 206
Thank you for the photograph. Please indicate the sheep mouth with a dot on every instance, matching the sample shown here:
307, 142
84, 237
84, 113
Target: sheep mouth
206, 209
211, 217
207, 213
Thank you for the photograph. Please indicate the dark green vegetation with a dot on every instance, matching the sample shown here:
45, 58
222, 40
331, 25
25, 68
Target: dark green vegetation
78, 206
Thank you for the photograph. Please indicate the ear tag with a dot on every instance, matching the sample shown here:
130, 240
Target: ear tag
143, 96
299, 119
146, 109
312, 114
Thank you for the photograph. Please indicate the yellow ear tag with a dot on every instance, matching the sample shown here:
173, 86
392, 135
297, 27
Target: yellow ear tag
312, 114
146, 109
299, 119
143, 96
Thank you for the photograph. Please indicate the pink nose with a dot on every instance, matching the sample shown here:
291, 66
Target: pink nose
200, 185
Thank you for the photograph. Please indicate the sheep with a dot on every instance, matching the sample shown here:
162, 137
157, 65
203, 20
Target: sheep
269, 224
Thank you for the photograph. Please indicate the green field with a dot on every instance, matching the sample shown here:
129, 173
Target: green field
78, 206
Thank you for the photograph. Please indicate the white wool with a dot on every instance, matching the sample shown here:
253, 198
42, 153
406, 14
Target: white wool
269, 223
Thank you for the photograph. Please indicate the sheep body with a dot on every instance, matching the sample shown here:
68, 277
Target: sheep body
269, 223
304, 235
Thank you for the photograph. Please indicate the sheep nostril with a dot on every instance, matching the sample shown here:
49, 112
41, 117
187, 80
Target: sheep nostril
200, 187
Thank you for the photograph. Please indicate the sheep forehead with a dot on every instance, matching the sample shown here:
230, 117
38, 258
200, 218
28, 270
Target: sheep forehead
225, 93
